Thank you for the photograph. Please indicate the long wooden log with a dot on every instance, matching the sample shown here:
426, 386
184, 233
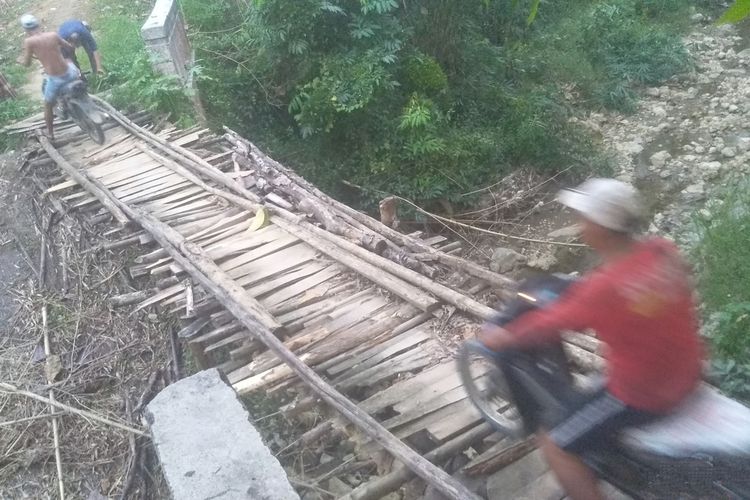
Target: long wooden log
192, 161
366, 221
84, 180
316, 237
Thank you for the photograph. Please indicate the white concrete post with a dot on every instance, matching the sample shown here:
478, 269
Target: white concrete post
166, 39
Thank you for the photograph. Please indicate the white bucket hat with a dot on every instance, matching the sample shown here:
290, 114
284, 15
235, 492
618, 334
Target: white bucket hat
610, 203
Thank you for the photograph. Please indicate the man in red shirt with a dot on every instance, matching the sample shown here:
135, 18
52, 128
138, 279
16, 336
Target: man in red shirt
640, 303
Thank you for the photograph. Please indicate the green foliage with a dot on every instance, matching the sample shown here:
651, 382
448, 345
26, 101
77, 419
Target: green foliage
607, 49
12, 110
130, 76
426, 99
423, 74
738, 11
723, 263
11, 40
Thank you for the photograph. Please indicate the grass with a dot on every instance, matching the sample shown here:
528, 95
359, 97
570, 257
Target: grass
11, 40
722, 259
129, 74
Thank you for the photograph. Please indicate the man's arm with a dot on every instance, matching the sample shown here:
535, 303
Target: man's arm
579, 308
64, 44
89, 45
97, 64
25, 57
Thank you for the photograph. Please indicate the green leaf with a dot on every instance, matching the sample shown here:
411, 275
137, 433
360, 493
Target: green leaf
535, 9
736, 13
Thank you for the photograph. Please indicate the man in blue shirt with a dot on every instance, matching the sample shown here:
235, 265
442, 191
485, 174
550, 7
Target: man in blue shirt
78, 34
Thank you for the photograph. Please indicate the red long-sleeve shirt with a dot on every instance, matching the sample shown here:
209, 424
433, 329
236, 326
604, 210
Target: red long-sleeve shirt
641, 307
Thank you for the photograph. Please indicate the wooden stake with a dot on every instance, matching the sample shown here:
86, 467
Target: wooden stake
52, 401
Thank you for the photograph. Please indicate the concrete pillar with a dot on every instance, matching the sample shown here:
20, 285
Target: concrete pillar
166, 39
207, 446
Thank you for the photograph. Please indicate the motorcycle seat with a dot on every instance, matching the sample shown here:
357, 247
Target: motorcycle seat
707, 423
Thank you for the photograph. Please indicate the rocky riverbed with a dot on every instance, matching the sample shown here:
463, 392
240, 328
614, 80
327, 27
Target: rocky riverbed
690, 137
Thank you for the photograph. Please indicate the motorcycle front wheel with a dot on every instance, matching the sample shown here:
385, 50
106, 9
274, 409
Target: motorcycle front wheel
84, 121
487, 389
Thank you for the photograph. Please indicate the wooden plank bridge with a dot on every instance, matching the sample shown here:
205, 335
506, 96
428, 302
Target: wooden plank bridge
283, 288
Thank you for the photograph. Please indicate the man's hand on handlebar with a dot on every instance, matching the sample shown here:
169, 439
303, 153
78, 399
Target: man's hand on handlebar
495, 337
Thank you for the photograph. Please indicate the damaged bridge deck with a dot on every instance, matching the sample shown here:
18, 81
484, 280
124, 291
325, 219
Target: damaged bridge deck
375, 313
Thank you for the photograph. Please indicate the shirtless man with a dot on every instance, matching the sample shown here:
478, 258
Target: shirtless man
47, 47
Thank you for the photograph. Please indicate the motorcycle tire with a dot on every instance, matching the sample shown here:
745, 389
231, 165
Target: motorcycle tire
84, 121
485, 385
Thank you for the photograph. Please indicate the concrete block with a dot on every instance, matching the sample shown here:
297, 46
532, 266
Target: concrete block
508, 482
207, 446
161, 21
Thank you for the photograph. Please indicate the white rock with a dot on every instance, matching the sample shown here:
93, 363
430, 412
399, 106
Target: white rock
504, 260
660, 159
543, 262
632, 148
729, 152
565, 232
699, 149
694, 189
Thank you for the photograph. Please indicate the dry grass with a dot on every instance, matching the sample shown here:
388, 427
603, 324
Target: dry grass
105, 360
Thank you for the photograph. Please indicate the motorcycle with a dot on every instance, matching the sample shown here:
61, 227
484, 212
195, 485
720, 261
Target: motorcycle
701, 450
74, 103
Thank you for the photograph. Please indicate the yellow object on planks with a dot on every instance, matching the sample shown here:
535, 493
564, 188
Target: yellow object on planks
261, 220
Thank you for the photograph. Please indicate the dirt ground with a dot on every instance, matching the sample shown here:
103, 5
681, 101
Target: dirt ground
102, 359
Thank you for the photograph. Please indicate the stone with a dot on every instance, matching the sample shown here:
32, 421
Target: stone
729, 152
711, 167
744, 54
504, 260
699, 149
542, 262
695, 189
659, 112
565, 233
660, 158
632, 148
697, 17
207, 446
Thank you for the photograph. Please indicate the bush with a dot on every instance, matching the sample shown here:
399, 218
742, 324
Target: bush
130, 76
722, 260
425, 99
606, 49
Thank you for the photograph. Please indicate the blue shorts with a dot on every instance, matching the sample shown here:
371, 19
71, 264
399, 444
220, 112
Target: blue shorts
594, 420
54, 84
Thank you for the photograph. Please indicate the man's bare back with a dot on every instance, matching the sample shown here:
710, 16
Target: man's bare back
47, 48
